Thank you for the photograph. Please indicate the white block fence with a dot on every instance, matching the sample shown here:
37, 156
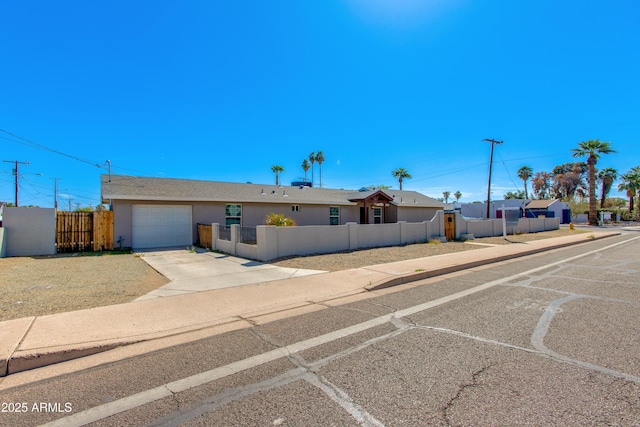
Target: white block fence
275, 242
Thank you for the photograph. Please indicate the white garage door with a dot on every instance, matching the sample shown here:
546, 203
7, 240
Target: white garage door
161, 226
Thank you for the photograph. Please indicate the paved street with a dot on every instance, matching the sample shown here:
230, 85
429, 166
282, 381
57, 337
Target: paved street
550, 339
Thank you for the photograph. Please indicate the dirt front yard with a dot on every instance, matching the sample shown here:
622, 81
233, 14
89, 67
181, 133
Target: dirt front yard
362, 258
37, 286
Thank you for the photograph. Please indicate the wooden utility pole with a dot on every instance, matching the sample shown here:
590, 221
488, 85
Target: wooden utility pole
493, 142
55, 193
15, 172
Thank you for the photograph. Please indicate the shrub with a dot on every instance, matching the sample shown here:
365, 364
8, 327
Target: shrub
279, 220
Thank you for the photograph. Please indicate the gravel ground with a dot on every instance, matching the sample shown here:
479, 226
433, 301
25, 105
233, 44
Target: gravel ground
37, 286
362, 258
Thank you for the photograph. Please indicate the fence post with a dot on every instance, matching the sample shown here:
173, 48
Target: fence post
267, 242
235, 237
215, 234
403, 232
352, 228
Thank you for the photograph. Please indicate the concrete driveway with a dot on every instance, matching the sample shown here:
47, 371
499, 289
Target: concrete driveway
203, 271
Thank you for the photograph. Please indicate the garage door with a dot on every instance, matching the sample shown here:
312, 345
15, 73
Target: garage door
161, 226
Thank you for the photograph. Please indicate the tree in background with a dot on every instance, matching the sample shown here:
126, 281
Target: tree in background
631, 184
518, 194
446, 195
606, 176
312, 159
320, 160
524, 173
277, 170
401, 174
541, 184
567, 181
457, 195
305, 168
592, 148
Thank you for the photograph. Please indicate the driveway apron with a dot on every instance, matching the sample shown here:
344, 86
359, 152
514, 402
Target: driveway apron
201, 270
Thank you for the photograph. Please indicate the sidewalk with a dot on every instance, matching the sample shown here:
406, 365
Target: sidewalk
34, 342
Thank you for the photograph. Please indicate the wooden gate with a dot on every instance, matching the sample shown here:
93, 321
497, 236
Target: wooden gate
450, 225
84, 231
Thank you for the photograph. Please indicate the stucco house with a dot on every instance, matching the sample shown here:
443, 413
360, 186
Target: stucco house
549, 209
163, 212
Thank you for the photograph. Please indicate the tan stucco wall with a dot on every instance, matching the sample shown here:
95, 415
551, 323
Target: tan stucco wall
253, 214
416, 214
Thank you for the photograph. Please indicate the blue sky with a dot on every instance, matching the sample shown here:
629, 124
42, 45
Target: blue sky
223, 90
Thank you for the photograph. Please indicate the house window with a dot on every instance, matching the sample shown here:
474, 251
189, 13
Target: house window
233, 214
334, 215
295, 208
377, 215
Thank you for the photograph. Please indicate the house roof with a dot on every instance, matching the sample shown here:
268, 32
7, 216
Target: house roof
540, 204
169, 189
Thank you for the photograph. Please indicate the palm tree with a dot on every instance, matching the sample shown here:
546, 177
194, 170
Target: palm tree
401, 174
457, 195
592, 148
607, 176
320, 159
305, 168
277, 170
524, 173
631, 184
312, 159
446, 195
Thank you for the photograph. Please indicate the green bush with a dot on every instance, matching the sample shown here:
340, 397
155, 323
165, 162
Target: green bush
279, 220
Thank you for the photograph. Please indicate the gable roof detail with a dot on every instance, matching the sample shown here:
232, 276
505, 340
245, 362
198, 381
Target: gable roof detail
170, 189
540, 204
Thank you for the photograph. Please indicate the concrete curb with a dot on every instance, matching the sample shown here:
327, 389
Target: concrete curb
412, 277
16, 333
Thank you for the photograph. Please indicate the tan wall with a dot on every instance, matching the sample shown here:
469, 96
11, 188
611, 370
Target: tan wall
416, 214
253, 214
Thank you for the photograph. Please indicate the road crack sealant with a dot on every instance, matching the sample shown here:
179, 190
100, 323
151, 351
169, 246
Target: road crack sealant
537, 340
130, 402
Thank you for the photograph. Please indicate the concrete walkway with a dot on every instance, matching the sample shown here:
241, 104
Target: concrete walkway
202, 270
39, 341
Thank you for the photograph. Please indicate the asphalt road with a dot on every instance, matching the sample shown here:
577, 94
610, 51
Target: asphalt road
551, 339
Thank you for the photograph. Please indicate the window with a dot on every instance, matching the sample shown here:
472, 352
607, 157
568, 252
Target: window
233, 214
334, 215
295, 208
377, 215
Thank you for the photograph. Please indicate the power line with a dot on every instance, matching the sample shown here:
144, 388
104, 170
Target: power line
43, 147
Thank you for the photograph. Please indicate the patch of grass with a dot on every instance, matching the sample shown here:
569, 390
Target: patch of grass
434, 242
418, 270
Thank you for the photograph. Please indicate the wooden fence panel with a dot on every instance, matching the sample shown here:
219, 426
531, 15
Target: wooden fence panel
102, 230
84, 231
205, 236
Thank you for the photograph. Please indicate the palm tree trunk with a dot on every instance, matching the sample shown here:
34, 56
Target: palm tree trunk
593, 215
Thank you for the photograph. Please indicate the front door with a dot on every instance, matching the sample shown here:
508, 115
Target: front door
450, 225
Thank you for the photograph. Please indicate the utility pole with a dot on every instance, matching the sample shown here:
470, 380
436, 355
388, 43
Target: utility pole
55, 192
15, 172
70, 200
493, 142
